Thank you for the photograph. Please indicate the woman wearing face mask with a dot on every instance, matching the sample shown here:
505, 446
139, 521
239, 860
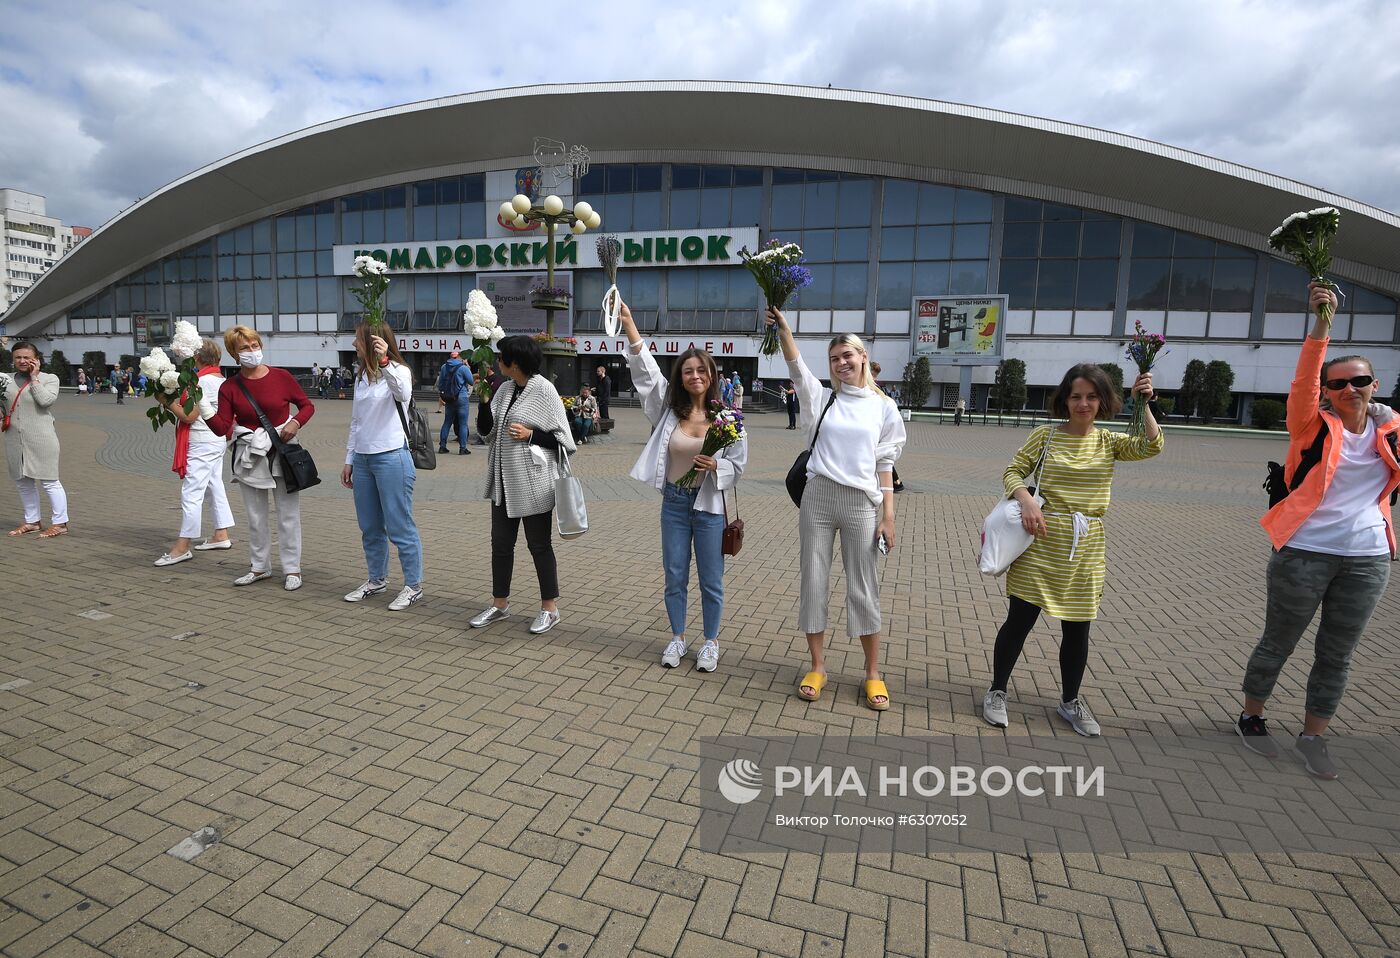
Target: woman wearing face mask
31, 442
199, 462
693, 518
276, 391
850, 485
1333, 538
1062, 572
524, 426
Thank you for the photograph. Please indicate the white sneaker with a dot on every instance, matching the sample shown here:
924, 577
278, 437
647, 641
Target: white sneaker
994, 709
248, 578
491, 614
369, 588
671, 658
209, 544
1077, 714
169, 559
545, 621
708, 659
293, 582
407, 597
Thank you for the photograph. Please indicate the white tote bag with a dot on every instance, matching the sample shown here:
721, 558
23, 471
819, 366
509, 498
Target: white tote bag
1004, 539
570, 513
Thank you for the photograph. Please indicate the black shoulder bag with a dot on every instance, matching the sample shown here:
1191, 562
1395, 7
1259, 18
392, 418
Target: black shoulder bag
298, 468
797, 475
1274, 485
420, 438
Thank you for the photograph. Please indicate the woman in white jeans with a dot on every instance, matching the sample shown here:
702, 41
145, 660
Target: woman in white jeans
31, 442
199, 461
850, 484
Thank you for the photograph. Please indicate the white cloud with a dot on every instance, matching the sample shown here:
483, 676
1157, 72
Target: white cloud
116, 99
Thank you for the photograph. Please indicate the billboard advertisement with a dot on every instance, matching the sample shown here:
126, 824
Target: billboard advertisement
959, 330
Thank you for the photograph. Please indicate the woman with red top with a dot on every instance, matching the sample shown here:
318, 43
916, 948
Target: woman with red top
255, 466
1333, 538
199, 462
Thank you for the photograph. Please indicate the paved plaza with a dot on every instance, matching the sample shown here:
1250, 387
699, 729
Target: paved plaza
398, 783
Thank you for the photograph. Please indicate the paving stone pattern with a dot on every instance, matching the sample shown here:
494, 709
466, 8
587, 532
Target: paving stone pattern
397, 783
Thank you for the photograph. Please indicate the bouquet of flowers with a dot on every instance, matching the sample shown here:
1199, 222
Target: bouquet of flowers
480, 323
1143, 350
778, 270
568, 403
726, 428
170, 382
609, 249
371, 296
1305, 237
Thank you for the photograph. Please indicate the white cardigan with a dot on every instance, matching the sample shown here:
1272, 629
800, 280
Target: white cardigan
651, 464
861, 436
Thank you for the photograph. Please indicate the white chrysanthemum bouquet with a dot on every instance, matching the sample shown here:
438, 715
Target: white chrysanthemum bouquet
1305, 237
171, 382
373, 294
480, 323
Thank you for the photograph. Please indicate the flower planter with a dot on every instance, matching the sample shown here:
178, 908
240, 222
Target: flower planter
551, 303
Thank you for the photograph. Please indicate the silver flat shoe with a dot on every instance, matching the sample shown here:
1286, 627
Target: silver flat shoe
545, 621
491, 614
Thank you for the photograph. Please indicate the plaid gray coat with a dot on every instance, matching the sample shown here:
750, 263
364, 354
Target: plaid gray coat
529, 488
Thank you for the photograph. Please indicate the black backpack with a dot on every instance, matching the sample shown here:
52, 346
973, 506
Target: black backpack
1278, 490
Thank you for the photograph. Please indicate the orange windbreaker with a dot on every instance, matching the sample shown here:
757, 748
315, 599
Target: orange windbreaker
1304, 414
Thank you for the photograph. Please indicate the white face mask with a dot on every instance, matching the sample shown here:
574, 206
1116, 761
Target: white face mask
250, 359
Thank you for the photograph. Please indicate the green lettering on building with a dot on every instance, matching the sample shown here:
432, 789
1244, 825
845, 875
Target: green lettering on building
483, 256
444, 256
666, 249
692, 247
399, 259
632, 251
500, 255
566, 252
463, 256
424, 259
538, 254
520, 254
716, 248
380, 255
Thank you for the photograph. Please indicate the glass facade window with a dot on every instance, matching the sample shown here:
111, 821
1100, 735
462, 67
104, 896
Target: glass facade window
1175, 270
1058, 257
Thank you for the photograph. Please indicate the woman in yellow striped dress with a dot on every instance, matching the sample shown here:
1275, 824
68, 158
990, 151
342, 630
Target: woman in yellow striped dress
1062, 573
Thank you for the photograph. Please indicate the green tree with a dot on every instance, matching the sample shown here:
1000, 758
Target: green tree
59, 365
1215, 390
95, 363
1115, 376
916, 384
130, 362
1166, 404
1009, 391
1266, 413
1193, 382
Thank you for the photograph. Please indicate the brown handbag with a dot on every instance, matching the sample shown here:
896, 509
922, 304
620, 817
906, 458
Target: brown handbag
733, 539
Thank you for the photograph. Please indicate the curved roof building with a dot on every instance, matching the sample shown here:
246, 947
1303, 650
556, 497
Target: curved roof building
892, 198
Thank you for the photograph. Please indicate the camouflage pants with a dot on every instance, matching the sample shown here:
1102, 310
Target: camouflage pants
1347, 588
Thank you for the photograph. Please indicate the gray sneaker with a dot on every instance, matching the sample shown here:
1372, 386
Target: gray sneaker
1077, 714
492, 614
675, 651
545, 621
1313, 752
994, 709
708, 658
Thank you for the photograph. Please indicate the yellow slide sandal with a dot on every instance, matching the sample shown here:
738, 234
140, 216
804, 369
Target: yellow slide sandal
815, 681
874, 688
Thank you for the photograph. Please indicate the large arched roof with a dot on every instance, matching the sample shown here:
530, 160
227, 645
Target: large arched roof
744, 123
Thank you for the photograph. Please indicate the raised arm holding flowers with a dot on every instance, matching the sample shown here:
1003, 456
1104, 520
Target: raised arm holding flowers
778, 270
1306, 239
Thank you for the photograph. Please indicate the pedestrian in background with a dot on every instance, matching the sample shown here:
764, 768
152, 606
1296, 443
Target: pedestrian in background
585, 413
602, 390
791, 403
31, 441
454, 384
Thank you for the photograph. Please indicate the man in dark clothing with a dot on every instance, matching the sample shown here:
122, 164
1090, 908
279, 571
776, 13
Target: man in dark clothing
603, 392
454, 386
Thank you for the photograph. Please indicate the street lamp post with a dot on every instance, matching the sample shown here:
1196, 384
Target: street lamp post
552, 213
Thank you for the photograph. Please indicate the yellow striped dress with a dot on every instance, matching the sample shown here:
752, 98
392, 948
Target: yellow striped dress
1077, 477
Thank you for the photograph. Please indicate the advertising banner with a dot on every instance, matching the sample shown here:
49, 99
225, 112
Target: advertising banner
510, 294
959, 330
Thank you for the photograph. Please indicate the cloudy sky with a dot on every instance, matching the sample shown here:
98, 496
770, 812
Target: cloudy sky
104, 101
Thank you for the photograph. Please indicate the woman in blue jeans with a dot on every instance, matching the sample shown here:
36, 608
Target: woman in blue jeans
380, 470
693, 518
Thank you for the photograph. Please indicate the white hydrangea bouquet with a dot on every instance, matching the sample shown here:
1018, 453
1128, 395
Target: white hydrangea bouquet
176, 380
480, 323
1305, 238
372, 295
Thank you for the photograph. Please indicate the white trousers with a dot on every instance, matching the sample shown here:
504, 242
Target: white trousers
29, 498
260, 532
204, 479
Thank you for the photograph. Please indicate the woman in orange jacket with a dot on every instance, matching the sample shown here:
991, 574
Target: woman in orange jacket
1333, 538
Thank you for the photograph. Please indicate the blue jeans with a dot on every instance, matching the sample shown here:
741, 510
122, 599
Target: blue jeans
682, 526
456, 413
585, 425
383, 487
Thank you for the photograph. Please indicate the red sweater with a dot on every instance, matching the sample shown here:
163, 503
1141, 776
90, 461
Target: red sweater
276, 393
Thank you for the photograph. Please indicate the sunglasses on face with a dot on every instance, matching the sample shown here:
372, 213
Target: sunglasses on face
1360, 382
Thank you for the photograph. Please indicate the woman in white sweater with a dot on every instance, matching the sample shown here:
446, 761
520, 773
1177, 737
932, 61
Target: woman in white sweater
693, 518
379, 468
199, 461
855, 434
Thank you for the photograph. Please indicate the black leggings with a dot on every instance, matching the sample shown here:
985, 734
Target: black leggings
1074, 648
539, 530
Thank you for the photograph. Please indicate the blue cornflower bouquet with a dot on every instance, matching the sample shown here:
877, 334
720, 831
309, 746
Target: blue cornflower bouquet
778, 270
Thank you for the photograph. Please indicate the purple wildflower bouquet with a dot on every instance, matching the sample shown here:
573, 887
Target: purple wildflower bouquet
726, 428
778, 270
1143, 350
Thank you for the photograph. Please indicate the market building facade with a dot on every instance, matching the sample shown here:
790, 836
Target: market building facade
1060, 237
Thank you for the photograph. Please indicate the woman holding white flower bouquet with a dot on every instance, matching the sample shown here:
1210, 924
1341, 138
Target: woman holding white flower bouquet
379, 468
31, 442
682, 411
856, 435
199, 461
276, 392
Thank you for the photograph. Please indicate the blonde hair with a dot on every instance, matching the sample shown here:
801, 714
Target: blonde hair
851, 339
208, 353
236, 336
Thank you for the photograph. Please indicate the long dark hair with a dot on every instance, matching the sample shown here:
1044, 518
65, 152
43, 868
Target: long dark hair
677, 399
